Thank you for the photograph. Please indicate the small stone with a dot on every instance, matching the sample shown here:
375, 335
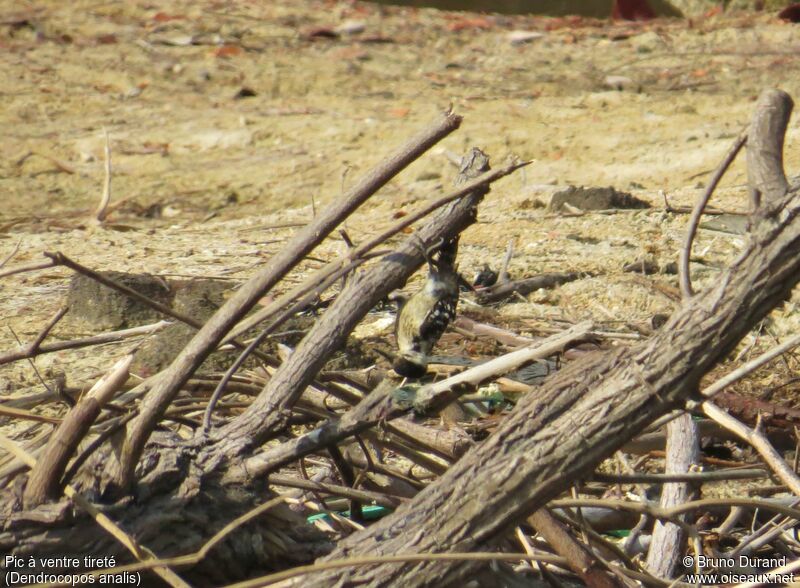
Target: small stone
101, 307
618, 83
351, 27
642, 266
522, 37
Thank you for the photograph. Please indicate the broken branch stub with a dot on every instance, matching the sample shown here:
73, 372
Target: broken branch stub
765, 174
44, 483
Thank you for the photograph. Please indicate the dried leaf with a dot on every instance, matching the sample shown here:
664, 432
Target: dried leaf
465, 24
226, 51
164, 17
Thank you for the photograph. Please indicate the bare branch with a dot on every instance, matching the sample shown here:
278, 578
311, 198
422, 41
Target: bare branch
101, 339
578, 557
44, 482
207, 338
697, 212
759, 442
336, 490
27, 268
683, 451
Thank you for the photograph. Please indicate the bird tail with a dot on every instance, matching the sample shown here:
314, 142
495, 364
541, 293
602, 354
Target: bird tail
411, 365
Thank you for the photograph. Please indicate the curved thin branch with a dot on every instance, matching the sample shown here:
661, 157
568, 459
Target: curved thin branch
697, 212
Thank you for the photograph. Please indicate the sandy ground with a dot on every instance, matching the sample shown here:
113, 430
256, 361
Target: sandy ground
202, 177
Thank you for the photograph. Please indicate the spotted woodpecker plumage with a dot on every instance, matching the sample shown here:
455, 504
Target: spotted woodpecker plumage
423, 318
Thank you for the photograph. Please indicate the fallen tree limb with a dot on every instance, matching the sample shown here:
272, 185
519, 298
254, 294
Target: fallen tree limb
667, 541
383, 405
268, 413
169, 382
592, 407
579, 558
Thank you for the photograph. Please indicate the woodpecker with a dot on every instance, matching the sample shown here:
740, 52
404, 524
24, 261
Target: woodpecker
423, 318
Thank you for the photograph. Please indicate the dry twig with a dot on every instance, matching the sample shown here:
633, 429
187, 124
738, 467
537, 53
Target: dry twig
694, 220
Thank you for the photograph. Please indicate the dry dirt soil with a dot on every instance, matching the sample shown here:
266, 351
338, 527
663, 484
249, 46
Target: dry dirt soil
228, 120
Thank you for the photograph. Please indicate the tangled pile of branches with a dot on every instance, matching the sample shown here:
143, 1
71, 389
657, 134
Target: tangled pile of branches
226, 499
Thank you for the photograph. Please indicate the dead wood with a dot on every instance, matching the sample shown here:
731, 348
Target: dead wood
298, 298
500, 335
293, 482
267, 415
503, 290
683, 451
405, 438
168, 494
161, 496
44, 483
234, 310
449, 445
385, 403
691, 477
589, 409
30, 351
27, 268
554, 437
657, 441
765, 174
579, 558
